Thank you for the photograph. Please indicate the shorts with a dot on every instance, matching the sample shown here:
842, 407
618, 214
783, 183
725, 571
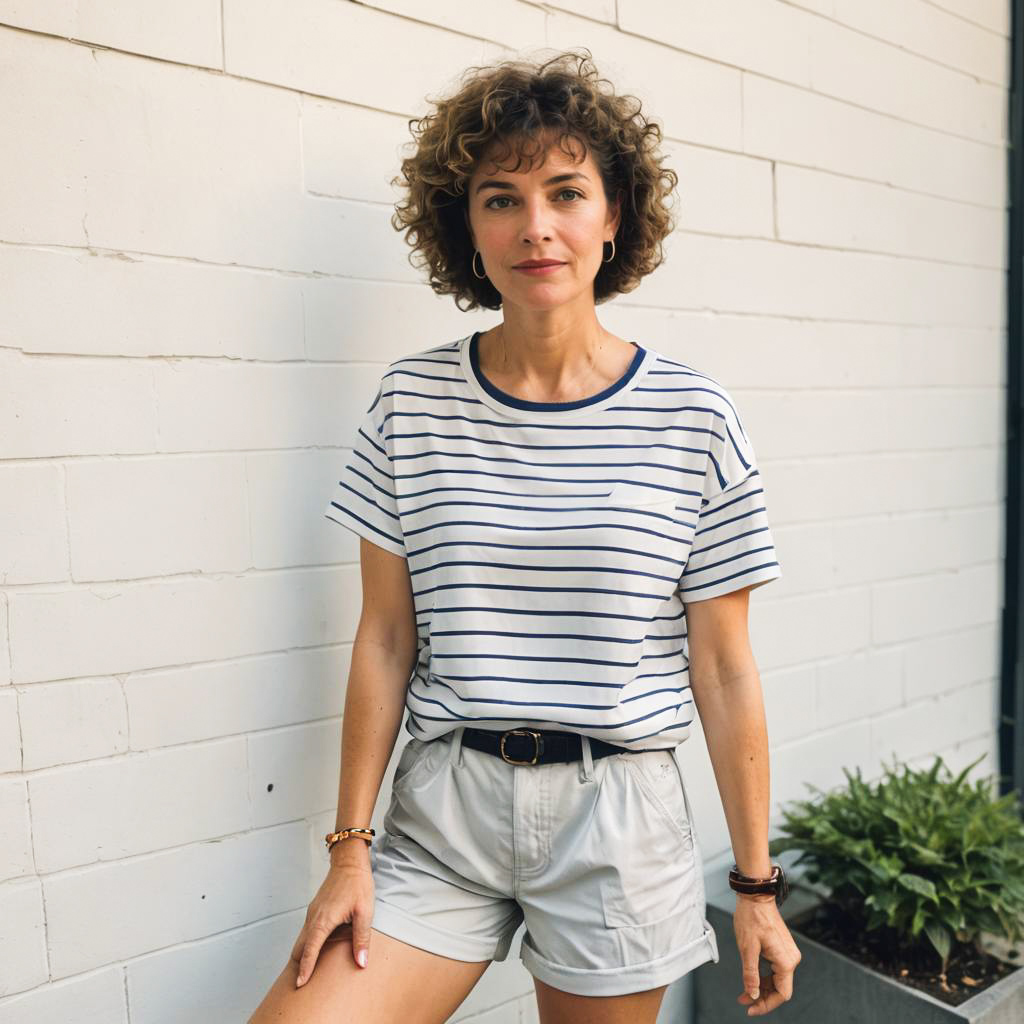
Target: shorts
598, 856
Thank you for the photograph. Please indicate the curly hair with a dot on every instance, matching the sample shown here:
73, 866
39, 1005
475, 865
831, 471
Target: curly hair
517, 104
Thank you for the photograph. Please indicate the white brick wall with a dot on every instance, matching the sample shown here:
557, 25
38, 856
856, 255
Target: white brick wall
195, 253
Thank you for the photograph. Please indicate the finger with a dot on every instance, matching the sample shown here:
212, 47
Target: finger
361, 936
300, 944
311, 951
771, 997
783, 983
751, 978
763, 1003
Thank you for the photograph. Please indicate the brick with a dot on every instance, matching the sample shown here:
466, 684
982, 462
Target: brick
293, 771
10, 734
48, 406
109, 809
785, 123
296, 44
229, 973
172, 514
133, 305
767, 278
509, 23
16, 833
188, 33
928, 29
843, 213
96, 998
62, 723
904, 85
114, 911
33, 531
122, 627
199, 702
771, 39
24, 963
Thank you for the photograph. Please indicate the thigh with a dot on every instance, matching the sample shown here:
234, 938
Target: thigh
557, 1007
400, 982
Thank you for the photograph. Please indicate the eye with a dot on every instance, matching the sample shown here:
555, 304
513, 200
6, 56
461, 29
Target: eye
496, 199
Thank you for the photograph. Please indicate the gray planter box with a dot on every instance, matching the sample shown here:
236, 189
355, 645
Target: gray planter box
830, 988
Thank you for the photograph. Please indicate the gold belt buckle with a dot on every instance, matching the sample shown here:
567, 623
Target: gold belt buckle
537, 739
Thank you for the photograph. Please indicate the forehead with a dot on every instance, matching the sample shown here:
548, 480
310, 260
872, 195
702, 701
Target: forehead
522, 158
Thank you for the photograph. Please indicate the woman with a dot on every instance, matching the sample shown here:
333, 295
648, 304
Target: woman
559, 533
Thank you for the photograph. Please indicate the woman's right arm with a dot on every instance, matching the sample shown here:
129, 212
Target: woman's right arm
383, 657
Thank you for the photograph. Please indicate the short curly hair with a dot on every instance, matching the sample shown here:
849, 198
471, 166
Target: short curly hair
516, 104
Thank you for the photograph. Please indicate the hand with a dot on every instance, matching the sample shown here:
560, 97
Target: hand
346, 895
760, 931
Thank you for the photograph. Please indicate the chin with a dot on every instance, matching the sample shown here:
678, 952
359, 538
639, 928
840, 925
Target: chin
541, 295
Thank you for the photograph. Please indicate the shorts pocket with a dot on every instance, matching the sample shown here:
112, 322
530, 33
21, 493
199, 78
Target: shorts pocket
412, 758
652, 875
658, 775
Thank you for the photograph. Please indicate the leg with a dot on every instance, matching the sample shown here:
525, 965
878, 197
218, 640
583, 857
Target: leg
401, 982
557, 1007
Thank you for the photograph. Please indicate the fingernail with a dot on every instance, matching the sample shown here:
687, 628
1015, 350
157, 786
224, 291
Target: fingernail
299, 981
754, 993
361, 957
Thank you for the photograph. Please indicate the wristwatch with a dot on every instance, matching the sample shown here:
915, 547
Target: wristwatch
776, 883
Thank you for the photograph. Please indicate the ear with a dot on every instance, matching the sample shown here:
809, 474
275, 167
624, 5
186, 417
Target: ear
614, 216
469, 227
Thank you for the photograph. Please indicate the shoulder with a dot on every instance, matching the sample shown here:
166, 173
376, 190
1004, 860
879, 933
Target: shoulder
701, 391
425, 360
415, 371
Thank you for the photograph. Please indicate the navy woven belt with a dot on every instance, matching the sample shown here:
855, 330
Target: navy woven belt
538, 746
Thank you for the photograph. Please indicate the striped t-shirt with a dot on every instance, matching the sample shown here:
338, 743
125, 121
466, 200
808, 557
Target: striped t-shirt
552, 546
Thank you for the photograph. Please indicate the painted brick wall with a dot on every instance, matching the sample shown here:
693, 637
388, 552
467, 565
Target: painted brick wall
200, 290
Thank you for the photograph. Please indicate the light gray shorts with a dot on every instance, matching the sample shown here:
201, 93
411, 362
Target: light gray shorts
599, 856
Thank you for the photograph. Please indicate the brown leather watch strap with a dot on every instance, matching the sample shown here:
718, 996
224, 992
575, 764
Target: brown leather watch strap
776, 884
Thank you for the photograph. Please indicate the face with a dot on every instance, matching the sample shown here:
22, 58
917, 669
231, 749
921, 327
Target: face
555, 210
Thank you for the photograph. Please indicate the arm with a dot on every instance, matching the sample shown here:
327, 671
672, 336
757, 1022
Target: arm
727, 692
383, 657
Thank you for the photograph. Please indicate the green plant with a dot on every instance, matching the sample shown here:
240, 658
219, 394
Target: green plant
916, 854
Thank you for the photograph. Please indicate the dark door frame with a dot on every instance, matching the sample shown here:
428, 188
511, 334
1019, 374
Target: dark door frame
1011, 692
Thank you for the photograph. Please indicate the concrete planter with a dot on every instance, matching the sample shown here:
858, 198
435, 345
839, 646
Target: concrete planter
830, 988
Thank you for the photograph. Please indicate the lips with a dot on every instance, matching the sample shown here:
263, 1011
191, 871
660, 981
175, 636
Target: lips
526, 264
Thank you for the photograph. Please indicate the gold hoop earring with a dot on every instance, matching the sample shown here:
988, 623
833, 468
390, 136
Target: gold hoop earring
610, 258
476, 252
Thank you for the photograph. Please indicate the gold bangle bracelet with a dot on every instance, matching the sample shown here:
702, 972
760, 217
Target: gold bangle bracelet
335, 837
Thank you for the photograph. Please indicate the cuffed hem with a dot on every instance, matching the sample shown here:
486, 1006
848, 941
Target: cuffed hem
387, 918
618, 981
754, 579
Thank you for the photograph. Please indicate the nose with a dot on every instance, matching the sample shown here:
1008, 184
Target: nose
535, 225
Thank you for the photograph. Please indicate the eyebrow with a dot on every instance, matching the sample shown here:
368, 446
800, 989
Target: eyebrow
495, 183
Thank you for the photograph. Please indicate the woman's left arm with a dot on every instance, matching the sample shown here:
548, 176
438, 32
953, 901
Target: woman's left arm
726, 689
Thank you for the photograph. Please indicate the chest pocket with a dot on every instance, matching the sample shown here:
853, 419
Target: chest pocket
643, 499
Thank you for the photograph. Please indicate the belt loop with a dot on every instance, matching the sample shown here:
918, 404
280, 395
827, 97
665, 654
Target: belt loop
587, 760
455, 751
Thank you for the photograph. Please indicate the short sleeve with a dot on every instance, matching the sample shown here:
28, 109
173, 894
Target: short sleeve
364, 497
732, 544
